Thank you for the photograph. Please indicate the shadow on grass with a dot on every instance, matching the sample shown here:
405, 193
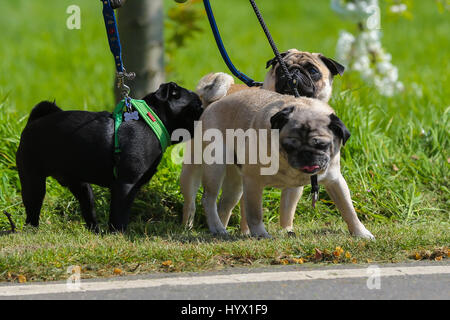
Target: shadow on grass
156, 212
325, 232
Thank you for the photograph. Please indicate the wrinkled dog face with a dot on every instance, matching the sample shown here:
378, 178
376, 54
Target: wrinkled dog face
308, 139
312, 72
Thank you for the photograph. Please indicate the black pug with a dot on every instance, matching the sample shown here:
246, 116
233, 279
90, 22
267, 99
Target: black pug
77, 149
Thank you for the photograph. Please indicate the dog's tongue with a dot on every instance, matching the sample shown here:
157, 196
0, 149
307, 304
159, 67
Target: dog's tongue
309, 168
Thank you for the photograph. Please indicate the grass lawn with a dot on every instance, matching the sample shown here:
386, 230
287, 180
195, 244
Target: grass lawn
396, 162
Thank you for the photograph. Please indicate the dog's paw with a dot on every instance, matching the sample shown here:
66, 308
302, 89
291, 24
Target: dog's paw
262, 236
218, 231
363, 233
291, 234
259, 231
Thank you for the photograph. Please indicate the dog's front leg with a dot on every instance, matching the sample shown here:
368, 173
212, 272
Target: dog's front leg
340, 194
288, 204
252, 200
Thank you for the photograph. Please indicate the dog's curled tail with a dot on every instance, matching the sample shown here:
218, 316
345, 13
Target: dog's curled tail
213, 87
42, 109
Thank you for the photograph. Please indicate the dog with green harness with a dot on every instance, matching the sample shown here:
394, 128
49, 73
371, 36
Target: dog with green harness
120, 151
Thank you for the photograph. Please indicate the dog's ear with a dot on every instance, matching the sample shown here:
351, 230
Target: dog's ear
332, 65
279, 119
274, 60
339, 128
166, 90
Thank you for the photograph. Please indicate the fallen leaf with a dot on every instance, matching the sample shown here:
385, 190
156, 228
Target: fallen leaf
438, 258
369, 261
21, 278
284, 261
395, 168
167, 263
298, 260
118, 271
417, 256
318, 254
335, 261
354, 260
348, 255
338, 251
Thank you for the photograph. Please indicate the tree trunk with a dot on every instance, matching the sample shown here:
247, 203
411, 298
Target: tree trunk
141, 33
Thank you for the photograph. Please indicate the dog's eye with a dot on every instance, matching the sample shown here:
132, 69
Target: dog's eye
175, 94
315, 74
291, 144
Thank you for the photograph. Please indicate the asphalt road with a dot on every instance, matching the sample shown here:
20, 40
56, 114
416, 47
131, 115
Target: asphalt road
403, 281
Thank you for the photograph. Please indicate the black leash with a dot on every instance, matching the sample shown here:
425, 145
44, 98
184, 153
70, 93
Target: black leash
291, 81
292, 84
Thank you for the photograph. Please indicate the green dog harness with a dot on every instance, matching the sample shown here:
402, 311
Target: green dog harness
148, 115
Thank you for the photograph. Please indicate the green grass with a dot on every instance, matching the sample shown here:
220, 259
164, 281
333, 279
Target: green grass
395, 162
46, 254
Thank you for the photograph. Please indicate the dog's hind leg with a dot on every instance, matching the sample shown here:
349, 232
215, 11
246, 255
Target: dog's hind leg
33, 193
231, 193
190, 179
83, 193
212, 182
122, 197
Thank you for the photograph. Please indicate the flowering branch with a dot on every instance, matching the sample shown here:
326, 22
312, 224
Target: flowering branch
364, 52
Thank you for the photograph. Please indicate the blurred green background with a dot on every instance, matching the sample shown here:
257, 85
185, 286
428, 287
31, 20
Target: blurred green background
41, 59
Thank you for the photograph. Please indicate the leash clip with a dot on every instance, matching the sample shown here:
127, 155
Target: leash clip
124, 89
314, 190
115, 4
121, 77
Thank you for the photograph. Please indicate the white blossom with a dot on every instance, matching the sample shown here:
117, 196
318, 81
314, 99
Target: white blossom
364, 52
344, 47
398, 8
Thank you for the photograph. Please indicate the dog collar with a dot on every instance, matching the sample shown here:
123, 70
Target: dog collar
146, 113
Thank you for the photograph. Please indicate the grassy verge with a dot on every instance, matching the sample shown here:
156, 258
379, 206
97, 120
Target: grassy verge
396, 162
46, 254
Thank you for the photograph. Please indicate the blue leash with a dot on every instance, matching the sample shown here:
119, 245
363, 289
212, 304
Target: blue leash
113, 34
241, 76
116, 49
